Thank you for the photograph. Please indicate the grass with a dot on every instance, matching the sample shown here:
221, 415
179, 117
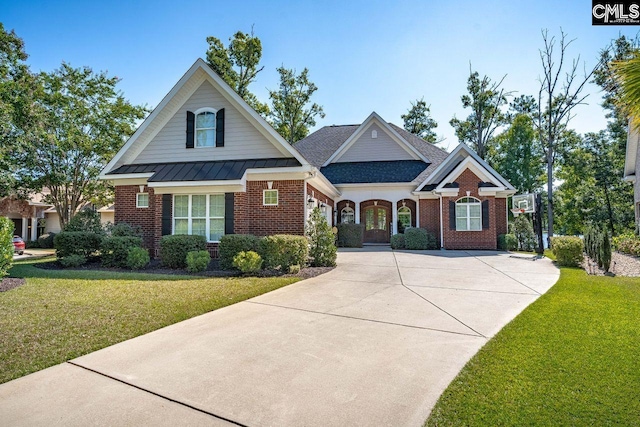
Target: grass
571, 358
59, 315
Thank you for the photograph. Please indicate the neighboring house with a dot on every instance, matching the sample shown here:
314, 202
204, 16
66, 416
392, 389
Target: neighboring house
204, 162
631, 165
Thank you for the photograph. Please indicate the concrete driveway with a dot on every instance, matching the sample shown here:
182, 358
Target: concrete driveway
373, 342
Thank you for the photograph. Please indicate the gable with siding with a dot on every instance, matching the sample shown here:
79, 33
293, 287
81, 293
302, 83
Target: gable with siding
366, 148
241, 141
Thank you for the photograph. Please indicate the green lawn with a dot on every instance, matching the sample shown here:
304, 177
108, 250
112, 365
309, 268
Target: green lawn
572, 358
59, 315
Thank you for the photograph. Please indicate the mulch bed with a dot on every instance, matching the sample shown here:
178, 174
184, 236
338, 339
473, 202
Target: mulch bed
155, 267
621, 265
9, 283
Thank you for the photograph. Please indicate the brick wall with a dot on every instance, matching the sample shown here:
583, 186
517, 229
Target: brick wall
260, 220
317, 194
146, 218
430, 216
485, 239
501, 216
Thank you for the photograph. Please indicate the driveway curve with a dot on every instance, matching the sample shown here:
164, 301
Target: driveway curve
373, 342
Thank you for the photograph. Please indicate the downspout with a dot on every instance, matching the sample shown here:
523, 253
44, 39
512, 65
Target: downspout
441, 222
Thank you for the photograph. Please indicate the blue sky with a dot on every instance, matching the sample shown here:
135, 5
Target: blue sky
363, 56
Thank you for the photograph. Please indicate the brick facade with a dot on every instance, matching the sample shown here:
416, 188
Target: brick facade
430, 216
319, 195
148, 219
501, 216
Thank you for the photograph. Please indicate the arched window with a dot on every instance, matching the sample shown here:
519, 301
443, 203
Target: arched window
468, 214
206, 128
347, 215
404, 218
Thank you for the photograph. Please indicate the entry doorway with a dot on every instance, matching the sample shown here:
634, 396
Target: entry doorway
377, 223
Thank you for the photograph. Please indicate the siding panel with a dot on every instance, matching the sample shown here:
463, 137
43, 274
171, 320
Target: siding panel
242, 140
368, 149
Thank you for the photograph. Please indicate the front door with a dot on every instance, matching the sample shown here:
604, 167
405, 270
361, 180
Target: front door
376, 221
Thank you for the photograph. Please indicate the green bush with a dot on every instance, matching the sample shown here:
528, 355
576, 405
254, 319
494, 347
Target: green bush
73, 260
350, 235
197, 261
626, 243
605, 251
122, 229
419, 239
322, 247
507, 242
247, 262
523, 231
137, 258
46, 240
294, 269
6, 246
174, 249
31, 244
115, 250
87, 220
283, 250
83, 243
568, 250
397, 241
231, 245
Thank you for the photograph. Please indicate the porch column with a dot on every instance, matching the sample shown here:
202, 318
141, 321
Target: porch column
25, 228
34, 228
357, 212
394, 217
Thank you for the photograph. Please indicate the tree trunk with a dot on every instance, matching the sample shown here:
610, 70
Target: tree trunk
549, 194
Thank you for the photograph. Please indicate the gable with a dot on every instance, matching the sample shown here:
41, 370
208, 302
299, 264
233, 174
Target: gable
242, 139
366, 148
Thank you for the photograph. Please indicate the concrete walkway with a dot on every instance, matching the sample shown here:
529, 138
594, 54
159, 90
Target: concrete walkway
373, 342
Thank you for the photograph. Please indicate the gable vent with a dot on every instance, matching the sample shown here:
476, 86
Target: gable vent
374, 134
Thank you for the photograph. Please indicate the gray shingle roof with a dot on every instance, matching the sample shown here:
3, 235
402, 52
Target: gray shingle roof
373, 172
321, 144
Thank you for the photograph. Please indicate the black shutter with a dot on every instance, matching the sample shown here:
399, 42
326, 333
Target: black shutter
452, 215
485, 215
220, 128
166, 214
191, 118
228, 213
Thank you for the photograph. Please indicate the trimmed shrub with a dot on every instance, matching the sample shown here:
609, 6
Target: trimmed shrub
350, 235
507, 242
568, 250
6, 246
294, 269
197, 261
419, 239
231, 245
83, 243
87, 220
248, 262
73, 260
523, 231
115, 250
626, 243
174, 249
322, 247
122, 229
46, 240
32, 244
283, 250
397, 241
137, 258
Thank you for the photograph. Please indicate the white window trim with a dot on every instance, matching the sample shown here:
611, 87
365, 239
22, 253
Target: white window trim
138, 200
264, 195
195, 126
190, 218
352, 211
468, 217
408, 213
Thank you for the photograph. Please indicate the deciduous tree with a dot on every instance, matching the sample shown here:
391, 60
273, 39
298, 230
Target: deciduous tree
292, 113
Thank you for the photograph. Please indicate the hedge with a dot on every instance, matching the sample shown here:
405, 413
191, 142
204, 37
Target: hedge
397, 241
248, 262
350, 235
232, 244
46, 240
115, 250
507, 242
198, 261
283, 250
6, 246
137, 258
419, 239
627, 244
83, 243
174, 249
568, 250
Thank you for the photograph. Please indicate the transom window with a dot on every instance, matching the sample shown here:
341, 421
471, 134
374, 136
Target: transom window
270, 197
468, 214
404, 218
347, 215
142, 200
199, 214
206, 129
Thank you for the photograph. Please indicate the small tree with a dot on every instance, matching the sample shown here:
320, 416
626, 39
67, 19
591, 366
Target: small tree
523, 231
6, 246
322, 247
86, 220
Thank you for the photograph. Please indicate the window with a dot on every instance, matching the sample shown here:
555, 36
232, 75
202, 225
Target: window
206, 129
404, 218
347, 216
468, 214
270, 197
142, 200
199, 214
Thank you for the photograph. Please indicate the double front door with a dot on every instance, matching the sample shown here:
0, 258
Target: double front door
377, 221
